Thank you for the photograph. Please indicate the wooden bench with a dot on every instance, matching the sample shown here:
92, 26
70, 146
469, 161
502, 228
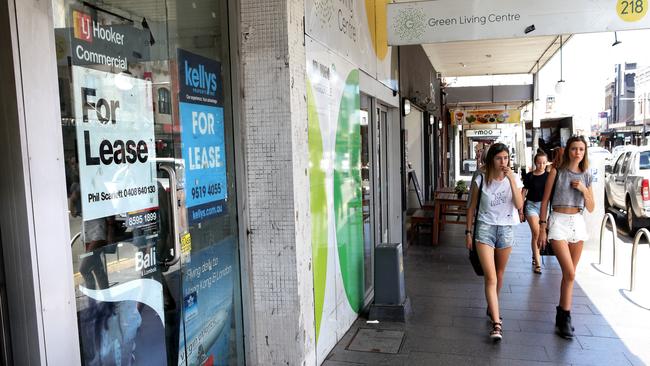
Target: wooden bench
418, 218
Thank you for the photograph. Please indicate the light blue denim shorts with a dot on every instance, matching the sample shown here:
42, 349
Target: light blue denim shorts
496, 236
532, 208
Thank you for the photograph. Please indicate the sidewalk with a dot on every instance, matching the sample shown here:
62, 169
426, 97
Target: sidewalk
448, 325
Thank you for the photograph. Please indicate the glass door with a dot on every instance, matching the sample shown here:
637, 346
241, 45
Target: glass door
148, 141
367, 188
381, 183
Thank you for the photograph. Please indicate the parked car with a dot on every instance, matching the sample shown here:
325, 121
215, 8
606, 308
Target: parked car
618, 150
627, 187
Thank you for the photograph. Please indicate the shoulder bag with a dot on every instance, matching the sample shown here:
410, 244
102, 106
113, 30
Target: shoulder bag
473, 254
548, 248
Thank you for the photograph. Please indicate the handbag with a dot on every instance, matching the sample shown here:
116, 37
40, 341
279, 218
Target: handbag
548, 248
473, 254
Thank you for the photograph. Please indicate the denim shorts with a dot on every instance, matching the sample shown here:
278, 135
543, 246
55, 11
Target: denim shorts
532, 208
496, 236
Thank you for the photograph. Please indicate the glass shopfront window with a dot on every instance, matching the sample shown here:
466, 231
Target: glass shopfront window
146, 110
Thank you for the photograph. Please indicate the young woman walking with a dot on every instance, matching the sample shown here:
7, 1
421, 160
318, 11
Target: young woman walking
534, 183
566, 226
500, 200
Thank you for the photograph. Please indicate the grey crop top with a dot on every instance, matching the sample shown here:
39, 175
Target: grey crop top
564, 195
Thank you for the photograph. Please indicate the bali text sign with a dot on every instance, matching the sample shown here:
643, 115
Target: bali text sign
452, 20
115, 138
202, 137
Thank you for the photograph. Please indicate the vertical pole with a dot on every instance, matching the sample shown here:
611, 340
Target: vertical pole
645, 105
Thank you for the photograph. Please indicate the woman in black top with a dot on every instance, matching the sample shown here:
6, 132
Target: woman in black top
533, 191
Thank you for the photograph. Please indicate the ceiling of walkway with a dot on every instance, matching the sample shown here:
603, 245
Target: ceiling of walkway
492, 57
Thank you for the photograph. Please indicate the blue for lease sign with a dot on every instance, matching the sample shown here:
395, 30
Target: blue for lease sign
202, 136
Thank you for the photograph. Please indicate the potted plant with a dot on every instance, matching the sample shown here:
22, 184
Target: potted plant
461, 188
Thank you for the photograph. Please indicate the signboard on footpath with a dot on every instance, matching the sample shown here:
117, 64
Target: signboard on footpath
202, 136
116, 147
451, 20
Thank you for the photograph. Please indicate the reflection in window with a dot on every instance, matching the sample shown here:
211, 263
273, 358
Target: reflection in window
164, 101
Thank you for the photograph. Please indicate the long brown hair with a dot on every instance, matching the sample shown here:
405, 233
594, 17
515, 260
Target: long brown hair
489, 160
584, 163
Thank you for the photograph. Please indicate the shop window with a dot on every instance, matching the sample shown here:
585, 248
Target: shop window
164, 105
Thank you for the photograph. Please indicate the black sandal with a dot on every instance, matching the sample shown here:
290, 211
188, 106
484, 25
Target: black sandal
537, 270
496, 334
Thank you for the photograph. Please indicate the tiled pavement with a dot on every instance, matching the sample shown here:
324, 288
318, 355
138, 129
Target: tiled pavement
448, 325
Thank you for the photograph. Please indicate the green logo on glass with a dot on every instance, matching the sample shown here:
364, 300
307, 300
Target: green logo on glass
410, 23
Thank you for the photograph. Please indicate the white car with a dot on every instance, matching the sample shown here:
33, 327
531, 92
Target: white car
618, 150
627, 187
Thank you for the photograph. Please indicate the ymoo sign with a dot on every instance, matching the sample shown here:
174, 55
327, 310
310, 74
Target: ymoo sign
483, 133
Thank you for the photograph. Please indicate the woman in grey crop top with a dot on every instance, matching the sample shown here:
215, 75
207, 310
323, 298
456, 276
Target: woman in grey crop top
569, 190
567, 196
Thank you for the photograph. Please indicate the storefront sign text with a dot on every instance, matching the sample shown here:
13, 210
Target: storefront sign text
116, 144
450, 20
94, 43
483, 133
202, 121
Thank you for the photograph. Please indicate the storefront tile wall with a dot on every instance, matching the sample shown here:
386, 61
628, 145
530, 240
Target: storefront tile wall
275, 143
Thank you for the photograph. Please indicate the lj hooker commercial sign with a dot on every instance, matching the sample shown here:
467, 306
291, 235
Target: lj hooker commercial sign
98, 42
114, 122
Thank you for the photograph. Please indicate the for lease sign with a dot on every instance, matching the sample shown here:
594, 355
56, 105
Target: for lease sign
202, 136
115, 143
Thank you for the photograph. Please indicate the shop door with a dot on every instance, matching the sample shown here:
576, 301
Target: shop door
381, 183
367, 189
148, 141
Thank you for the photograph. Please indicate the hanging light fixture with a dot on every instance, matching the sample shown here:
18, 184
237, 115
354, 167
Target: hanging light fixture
616, 41
559, 87
537, 83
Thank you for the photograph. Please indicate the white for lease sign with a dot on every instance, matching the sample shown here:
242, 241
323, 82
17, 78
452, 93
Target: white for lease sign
452, 20
115, 143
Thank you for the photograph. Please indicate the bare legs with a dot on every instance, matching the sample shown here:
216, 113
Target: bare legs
533, 222
568, 256
494, 263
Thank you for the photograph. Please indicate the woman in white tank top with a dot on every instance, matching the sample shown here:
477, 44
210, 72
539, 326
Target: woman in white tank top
500, 200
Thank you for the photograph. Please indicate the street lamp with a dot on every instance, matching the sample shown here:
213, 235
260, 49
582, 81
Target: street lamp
559, 87
645, 106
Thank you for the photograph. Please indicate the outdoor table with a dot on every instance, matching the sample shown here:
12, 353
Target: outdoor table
447, 203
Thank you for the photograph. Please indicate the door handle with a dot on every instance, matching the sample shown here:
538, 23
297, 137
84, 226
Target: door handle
74, 238
174, 200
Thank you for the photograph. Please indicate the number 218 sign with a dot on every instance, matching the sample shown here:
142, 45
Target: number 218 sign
631, 10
